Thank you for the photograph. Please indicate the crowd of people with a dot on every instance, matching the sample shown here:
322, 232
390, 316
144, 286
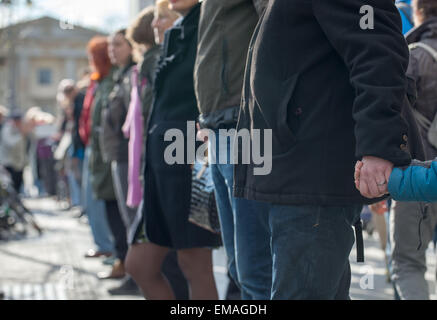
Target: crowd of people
336, 97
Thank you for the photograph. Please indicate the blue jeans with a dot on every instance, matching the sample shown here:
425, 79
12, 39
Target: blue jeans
75, 192
96, 211
73, 182
245, 230
310, 248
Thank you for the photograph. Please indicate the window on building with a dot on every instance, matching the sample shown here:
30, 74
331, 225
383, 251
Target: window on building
44, 77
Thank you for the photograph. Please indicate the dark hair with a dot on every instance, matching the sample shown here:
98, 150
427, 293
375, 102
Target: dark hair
428, 8
123, 32
69, 89
141, 30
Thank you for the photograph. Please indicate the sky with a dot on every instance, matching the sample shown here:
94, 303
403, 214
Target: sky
106, 15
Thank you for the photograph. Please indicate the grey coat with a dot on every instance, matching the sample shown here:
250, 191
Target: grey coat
423, 69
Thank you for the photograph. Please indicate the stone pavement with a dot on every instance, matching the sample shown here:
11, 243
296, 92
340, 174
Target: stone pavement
52, 266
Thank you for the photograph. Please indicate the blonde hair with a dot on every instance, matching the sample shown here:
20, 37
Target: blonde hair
35, 114
163, 5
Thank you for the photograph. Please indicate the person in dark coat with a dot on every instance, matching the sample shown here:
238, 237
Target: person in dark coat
73, 97
328, 86
168, 187
114, 143
100, 171
142, 34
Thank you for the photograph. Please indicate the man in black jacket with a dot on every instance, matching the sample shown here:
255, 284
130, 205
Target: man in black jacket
328, 88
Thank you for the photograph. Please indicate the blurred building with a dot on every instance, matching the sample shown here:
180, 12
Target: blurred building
36, 55
137, 5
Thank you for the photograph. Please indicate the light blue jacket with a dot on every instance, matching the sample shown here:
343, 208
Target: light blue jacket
418, 182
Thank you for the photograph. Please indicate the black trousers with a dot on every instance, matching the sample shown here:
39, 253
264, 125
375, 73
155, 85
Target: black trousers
17, 178
118, 229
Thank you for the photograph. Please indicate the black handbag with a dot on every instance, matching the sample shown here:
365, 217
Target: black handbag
203, 207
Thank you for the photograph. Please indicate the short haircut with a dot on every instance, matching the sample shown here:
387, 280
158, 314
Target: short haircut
428, 8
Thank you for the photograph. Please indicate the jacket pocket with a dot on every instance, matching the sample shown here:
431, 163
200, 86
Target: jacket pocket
269, 102
287, 135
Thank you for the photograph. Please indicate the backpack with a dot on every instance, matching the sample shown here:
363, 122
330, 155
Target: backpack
431, 127
407, 15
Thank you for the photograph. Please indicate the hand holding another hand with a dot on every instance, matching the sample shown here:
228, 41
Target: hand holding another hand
372, 175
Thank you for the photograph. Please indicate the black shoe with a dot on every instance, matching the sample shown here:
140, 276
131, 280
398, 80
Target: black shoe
127, 288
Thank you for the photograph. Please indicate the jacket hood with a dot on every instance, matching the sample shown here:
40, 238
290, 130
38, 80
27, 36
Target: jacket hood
189, 23
426, 30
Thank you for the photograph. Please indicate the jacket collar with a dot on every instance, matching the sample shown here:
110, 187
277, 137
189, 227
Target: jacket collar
120, 72
182, 29
177, 39
189, 23
426, 30
149, 61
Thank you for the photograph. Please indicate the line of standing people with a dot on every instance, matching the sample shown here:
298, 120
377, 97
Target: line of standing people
249, 64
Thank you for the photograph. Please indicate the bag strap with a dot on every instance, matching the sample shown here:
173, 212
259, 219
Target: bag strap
426, 47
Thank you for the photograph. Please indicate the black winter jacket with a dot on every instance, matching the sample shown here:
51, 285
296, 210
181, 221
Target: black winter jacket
174, 100
174, 97
331, 92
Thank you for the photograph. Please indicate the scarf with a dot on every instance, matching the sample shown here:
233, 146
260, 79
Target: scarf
133, 130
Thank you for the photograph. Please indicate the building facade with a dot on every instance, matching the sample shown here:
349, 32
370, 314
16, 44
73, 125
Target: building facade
35, 56
137, 5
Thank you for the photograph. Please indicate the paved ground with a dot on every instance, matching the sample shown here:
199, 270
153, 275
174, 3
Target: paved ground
52, 266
